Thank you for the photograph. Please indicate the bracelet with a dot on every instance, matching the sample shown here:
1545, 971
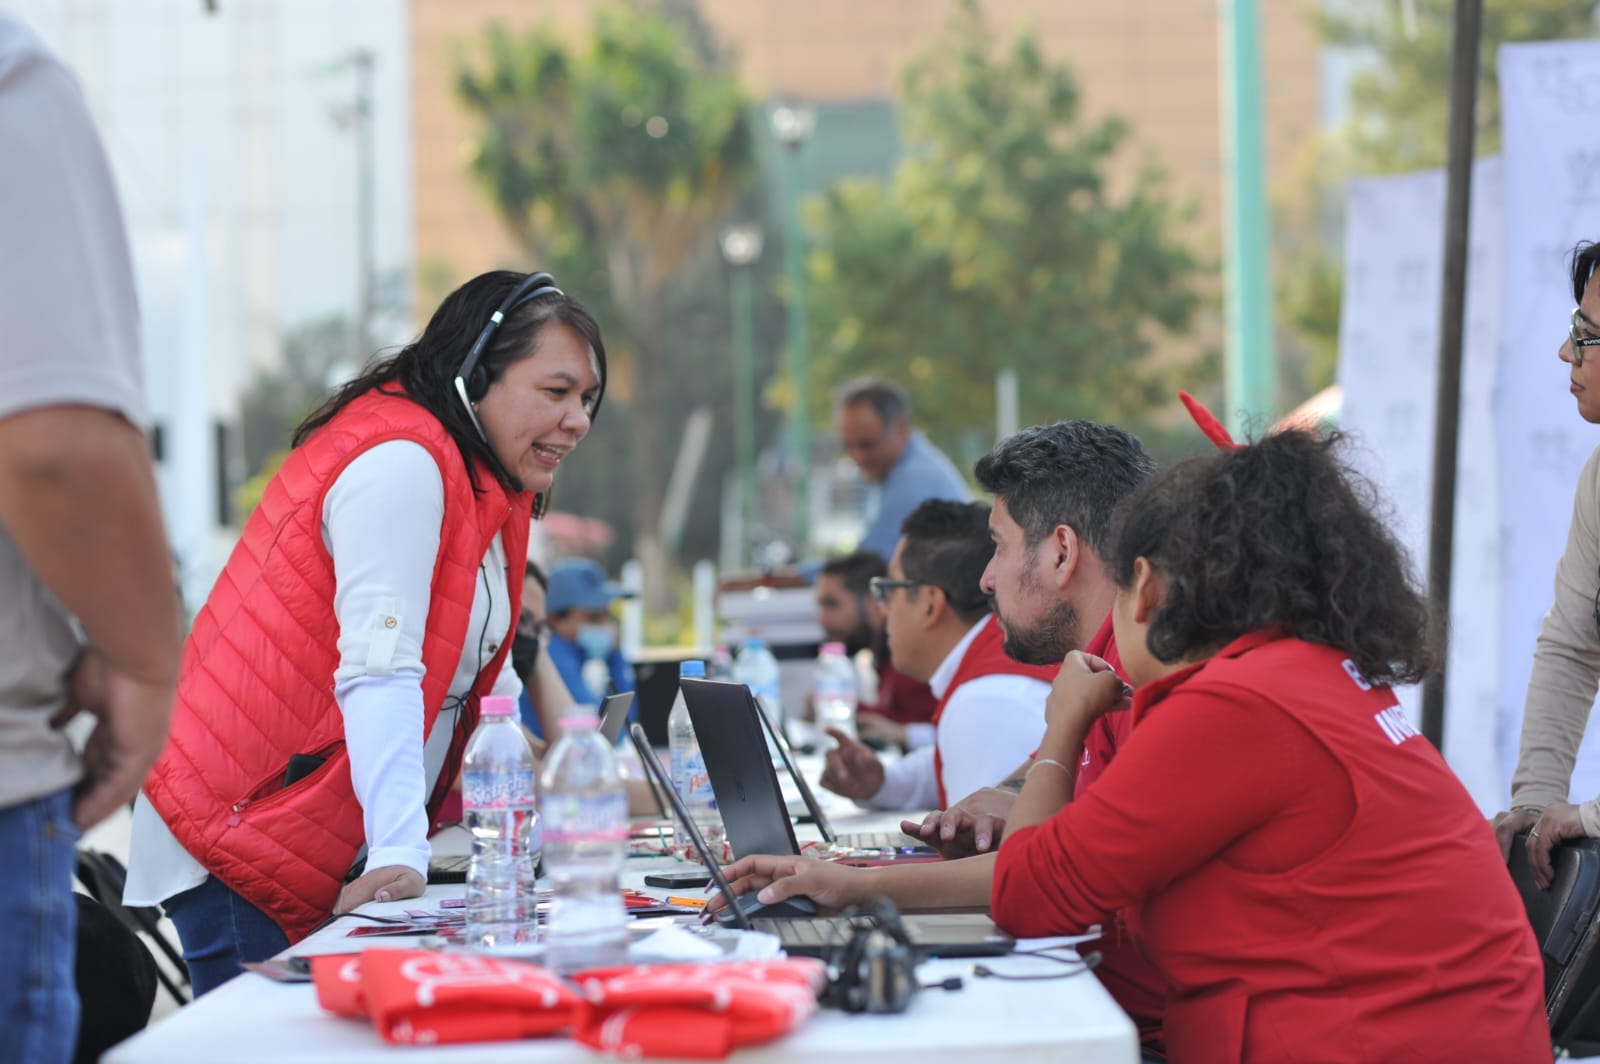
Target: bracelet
1049, 761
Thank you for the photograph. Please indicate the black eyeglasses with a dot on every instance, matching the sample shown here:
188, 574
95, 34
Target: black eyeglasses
881, 587
1580, 342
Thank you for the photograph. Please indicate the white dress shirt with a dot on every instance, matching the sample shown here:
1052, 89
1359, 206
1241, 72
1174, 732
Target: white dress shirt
381, 522
989, 726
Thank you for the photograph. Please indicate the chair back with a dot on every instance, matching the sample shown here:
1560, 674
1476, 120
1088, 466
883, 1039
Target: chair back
1566, 922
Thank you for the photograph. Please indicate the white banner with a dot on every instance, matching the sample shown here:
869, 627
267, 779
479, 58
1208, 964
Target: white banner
1550, 105
1389, 343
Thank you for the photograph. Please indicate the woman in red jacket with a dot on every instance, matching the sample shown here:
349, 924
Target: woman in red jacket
333, 675
1297, 860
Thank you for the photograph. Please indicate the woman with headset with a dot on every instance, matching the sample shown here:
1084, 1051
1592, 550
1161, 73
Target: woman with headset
333, 676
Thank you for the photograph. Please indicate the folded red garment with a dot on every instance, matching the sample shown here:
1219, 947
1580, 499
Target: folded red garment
702, 1011
425, 997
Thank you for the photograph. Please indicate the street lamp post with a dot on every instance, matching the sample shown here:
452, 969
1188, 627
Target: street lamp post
741, 246
793, 124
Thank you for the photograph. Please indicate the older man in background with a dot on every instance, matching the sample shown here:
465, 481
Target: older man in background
874, 422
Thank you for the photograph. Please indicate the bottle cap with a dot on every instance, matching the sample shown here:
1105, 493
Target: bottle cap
497, 706
833, 648
754, 641
692, 668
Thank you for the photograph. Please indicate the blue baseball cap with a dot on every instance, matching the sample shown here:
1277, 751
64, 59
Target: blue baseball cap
579, 584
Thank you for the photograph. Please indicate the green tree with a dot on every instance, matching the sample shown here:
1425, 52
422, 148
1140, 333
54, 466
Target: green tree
1399, 123
1003, 240
1400, 101
613, 161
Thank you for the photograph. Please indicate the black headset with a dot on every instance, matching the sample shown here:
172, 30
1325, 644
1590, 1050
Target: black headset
875, 970
472, 379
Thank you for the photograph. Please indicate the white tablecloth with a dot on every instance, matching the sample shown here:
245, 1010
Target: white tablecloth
253, 1020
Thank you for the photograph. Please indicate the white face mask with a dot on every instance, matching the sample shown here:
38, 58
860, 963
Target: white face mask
597, 640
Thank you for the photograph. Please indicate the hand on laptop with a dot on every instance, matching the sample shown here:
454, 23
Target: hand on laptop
971, 826
851, 768
831, 886
1509, 823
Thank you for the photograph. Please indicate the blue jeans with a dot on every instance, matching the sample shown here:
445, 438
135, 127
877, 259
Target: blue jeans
220, 931
39, 919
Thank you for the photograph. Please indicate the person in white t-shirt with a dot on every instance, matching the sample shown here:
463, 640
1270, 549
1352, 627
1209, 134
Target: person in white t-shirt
331, 680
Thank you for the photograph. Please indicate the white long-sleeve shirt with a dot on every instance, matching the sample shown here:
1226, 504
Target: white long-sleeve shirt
381, 522
989, 726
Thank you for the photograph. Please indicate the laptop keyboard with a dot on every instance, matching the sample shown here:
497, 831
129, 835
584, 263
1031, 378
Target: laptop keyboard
877, 840
804, 933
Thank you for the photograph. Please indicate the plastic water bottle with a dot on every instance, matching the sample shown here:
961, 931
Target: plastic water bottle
757, 669
833, 689
689, 776
500, 808
586, 840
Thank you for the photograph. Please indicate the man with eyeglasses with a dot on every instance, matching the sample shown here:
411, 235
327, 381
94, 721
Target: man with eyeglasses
990, 713
901, 713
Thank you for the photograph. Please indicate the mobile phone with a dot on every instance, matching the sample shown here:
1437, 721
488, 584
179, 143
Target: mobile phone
300, 766
677, 880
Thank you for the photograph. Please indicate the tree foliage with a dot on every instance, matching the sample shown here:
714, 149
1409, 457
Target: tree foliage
1003, 240
1399, 123
1400, 101
613, 160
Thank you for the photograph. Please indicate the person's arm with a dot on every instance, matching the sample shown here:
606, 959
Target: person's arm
381, 522
77, 493
1172, 800
551, 696
78, 498
923, 885
908, 783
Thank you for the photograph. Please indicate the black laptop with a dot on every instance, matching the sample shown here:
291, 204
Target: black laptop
806, 935
732, 733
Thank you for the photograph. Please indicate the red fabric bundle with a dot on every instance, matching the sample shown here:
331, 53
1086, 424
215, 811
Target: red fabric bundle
701, 1011
425, 997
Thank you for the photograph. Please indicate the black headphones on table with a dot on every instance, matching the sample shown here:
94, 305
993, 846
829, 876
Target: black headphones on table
875, 969
472, 379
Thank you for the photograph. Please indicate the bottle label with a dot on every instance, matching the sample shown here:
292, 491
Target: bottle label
585, 818
690, 777
497, 790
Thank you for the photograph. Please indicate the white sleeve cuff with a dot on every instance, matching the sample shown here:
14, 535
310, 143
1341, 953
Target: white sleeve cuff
908, 783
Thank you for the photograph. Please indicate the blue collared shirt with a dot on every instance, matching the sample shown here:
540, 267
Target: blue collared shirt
922, 473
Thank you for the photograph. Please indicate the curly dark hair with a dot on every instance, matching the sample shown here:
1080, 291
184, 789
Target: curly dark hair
947, 546
425, 369
1280, 534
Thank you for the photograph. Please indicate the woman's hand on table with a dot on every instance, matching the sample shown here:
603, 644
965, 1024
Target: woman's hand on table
831, 886
390, 883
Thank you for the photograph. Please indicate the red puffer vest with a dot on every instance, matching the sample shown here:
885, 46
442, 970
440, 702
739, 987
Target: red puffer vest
256, 682
985, 656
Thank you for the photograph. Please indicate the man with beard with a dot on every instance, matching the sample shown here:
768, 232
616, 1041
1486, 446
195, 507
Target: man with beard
1055, 487
902, 712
